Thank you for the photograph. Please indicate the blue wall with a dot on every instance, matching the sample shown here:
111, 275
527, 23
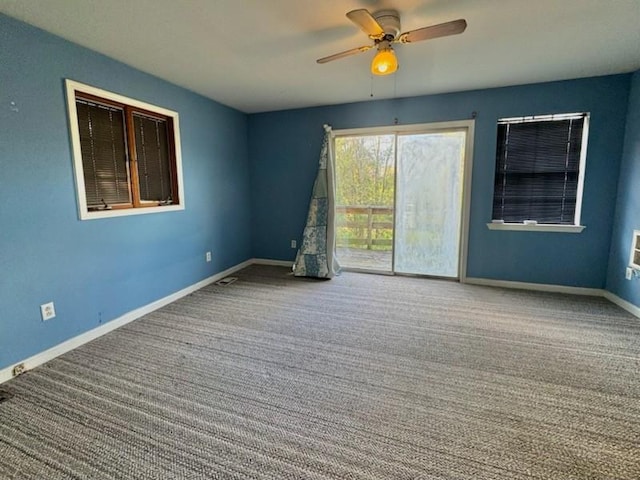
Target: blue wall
284, 148
97, 270
627, 217
247, 185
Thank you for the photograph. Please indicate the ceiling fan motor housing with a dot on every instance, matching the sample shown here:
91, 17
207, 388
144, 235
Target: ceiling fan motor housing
389, 20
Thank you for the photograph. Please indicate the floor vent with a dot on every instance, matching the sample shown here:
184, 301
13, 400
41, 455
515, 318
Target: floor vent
226, 281
5, 395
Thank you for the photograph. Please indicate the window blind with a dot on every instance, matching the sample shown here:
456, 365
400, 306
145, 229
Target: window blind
537, 169
152, 151
104, 157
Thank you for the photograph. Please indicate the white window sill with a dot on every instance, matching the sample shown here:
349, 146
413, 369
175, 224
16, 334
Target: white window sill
92, 215
536, 227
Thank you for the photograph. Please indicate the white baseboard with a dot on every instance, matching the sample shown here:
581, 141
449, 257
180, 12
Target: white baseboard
275, 263
541, 287
68, 345
595, 292
622, 303
75, 342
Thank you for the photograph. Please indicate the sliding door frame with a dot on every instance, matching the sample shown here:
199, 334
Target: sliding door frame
425, 128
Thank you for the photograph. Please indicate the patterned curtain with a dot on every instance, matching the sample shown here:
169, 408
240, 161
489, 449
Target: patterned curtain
316, 256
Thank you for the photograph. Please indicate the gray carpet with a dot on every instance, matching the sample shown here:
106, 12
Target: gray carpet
360, 377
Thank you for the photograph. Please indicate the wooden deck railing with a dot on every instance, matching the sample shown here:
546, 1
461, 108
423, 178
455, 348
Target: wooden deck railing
363, 221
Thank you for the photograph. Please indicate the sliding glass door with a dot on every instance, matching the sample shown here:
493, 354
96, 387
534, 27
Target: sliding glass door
429, 203
365, 190
399, 200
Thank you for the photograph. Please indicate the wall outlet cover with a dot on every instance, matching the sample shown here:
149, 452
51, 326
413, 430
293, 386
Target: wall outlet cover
207, 256
294, 244
48, 311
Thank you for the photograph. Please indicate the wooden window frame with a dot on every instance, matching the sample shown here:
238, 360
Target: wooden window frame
76, 90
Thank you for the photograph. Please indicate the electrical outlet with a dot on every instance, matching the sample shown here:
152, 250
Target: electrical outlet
208, 256
19, 369
294, 244
628, 273
48, 311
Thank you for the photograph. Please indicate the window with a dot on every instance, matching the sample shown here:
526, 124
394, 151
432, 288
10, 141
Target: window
634, 257
539, 172
126, 154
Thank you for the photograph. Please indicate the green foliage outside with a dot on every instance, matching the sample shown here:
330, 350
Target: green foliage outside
365, 177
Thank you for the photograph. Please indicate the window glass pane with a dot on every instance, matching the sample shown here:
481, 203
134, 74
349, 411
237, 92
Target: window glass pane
104, 158
152, 150
365, 176
429, 203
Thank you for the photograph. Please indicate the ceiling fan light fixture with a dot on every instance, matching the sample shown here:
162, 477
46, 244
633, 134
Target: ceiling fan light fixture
383, 27
385, 62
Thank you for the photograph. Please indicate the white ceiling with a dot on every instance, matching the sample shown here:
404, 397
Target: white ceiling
259, 55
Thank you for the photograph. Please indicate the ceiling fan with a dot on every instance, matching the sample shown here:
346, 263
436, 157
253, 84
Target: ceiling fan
383, 28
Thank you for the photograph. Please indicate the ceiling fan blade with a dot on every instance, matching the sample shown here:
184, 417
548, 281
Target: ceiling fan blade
427, 33
369, 25
346, 53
